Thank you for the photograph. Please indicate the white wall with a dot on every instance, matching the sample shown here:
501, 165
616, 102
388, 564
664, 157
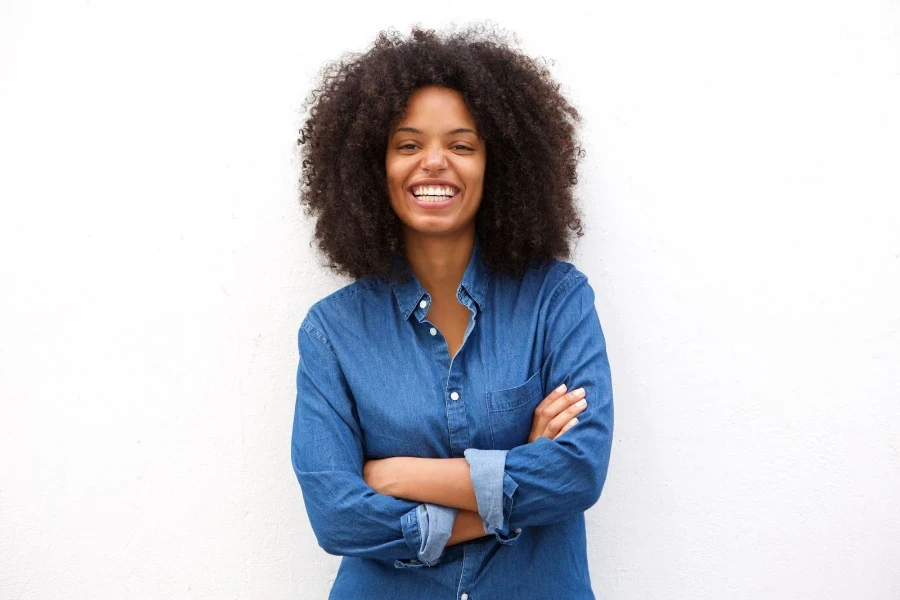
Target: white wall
741, 191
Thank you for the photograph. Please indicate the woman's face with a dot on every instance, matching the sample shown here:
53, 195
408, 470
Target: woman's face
435, 164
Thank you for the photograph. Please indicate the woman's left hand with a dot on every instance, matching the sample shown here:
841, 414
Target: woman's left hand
555, 415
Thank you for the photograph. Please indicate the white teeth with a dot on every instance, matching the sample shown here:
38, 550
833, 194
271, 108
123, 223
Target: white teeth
440, 191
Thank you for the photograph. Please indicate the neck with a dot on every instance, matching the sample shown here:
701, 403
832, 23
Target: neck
439, 262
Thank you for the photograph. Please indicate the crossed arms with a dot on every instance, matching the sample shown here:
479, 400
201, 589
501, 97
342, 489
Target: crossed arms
375, 509
448, 481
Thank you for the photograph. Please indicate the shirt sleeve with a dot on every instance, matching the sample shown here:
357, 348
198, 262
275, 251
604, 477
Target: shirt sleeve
347, 516
494, 491
439, 521
550, 480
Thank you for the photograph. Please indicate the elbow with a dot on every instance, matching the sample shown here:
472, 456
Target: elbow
579, 463
593, 487
325, 518
337, 536
587, 482
343, 530
593, 465
583, 490
330, 536
329, 542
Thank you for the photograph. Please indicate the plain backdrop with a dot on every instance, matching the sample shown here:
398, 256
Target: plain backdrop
740, 191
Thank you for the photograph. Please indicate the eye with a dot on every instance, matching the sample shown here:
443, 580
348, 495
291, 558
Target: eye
463, 148
409, 146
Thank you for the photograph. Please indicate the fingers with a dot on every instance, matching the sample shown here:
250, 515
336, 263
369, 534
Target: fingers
555, 394
555, 411
567, 427
555, 426
541, 417
554, 408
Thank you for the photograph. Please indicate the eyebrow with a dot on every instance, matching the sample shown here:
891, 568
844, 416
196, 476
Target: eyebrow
454, 132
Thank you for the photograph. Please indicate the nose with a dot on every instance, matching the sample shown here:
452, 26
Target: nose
433, 159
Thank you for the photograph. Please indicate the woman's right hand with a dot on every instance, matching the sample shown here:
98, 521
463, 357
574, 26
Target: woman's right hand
555, 415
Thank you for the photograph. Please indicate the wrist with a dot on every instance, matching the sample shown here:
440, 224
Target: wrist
468, 526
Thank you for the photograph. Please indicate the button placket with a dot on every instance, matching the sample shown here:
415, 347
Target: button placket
457, 413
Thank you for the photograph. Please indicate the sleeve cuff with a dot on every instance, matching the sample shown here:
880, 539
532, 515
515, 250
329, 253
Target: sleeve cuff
427, 530
494, 491
440, 525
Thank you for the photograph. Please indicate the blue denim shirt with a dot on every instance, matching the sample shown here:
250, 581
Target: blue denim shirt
375, 380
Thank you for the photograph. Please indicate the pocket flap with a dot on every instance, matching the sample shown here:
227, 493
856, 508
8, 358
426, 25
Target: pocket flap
518, 396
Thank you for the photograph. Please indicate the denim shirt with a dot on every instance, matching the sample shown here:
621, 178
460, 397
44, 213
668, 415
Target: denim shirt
376, 380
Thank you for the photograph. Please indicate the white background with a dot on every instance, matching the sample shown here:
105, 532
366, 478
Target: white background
741, 196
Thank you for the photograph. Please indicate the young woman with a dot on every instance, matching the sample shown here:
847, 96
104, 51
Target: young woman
454, 404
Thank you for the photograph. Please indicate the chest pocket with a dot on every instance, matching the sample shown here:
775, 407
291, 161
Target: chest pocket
510, 412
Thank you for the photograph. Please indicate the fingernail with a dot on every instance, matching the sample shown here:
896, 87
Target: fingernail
576, 421
560, 389
581, 403
579, 392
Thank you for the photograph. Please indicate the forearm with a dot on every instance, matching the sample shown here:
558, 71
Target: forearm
444, 481
438, 481
468, 526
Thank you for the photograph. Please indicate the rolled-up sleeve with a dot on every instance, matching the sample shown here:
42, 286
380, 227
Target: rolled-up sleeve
431, 531
550, 480
347, 516
494, 491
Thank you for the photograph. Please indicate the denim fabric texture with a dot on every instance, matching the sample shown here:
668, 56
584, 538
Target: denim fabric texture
375, 380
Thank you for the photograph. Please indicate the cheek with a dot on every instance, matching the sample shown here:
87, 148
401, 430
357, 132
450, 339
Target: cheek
470, 171
394, 183
396, 173
475, 175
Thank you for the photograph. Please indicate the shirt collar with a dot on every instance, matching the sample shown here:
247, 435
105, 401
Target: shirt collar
409, 291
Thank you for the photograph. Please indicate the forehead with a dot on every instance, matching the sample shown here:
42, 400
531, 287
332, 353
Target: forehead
436, 108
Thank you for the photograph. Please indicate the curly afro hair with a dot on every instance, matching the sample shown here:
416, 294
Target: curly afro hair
529, 129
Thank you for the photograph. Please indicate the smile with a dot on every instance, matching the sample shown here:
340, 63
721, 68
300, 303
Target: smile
433, 193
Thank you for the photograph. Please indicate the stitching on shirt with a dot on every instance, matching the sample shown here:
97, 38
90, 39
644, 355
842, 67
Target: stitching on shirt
360, 285
573, 276
316, 333
530, 390
462, 572
531, 396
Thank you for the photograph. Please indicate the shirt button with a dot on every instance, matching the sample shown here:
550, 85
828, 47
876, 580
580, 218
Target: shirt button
423, 304
464, 597
454, 396
518, 530
433, 331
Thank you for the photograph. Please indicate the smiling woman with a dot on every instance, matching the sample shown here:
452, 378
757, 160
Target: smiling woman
454, 403
526, 127
435, 164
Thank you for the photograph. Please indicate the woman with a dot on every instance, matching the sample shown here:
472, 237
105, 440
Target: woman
454, 403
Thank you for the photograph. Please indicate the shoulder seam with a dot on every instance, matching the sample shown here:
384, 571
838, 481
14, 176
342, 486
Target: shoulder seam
346, 293
571, 277
317, 334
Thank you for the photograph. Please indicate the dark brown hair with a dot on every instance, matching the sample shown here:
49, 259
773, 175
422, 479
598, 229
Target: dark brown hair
527, 211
